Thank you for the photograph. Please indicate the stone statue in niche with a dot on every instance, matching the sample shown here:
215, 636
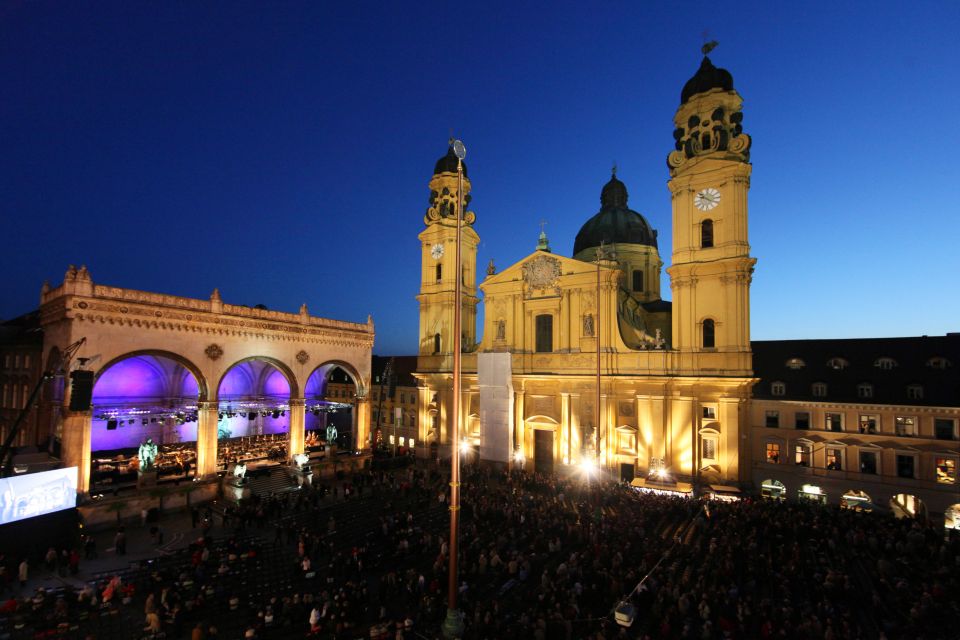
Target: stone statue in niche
147, 455
501, 330
588, 325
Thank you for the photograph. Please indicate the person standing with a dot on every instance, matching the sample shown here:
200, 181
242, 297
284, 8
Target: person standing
24, 573
120, 541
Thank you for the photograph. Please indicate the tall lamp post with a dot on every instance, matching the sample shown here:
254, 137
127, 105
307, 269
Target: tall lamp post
453, 624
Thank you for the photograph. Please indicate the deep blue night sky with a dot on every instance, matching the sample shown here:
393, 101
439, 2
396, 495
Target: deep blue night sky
281, 151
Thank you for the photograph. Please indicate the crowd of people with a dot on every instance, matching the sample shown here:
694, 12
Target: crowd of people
366, 556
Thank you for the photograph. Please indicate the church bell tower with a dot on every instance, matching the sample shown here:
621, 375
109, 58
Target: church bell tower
711, 263
438, 268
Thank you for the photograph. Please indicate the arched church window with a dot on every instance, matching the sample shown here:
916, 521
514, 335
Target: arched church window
706, 234
544, 330
709, 334
638, 280
436, 343
439, 269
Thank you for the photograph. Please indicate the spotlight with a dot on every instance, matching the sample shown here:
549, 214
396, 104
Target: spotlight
518, 456
465, 446
588, 466
276, 414
661, 473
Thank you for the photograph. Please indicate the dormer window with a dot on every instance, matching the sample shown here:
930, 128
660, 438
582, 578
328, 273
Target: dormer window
915, 392
838, 363
864, 390
778, 388
819, 389
796, 364
885, 363
939, 362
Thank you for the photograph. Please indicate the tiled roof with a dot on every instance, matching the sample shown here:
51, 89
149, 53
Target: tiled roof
940, 386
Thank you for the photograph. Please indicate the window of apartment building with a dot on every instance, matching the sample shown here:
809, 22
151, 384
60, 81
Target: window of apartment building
914, 392
938, 362
392, 440
6, 395
25, 396
833, 422
801, 420
544, 328
944, 428
906, 426
773, 419
709, 449
819, 389
885, 363
778, 388
801, 455
796, 364
6, 361
869, 423
773, 452
412, 443
946, 470
709, 413
638, 280
838, 363
864, 390
905, 465
16, 361
834, 459
868, 462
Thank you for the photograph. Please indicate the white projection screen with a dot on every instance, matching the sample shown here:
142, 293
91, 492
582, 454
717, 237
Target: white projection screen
36, 494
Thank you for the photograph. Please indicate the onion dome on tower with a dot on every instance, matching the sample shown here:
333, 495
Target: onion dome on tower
443, 191
448, 163
615, 223
706, 78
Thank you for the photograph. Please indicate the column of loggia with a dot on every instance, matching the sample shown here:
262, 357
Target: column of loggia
361, 423
75, 445
296, 412
207, 425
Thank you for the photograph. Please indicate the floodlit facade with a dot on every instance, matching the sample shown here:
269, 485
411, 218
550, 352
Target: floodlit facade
674, 380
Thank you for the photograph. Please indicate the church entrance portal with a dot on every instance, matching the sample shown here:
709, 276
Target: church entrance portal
543, 451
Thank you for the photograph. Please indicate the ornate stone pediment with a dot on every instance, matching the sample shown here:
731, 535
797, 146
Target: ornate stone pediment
541, 276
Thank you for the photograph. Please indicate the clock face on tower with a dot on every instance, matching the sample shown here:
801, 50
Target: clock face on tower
436, 251
707, 199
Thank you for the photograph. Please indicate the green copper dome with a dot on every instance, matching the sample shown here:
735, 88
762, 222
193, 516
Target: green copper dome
615, 223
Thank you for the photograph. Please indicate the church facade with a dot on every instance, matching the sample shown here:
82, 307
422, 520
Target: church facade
590, 363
